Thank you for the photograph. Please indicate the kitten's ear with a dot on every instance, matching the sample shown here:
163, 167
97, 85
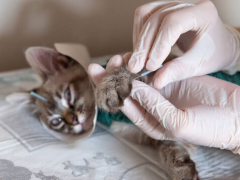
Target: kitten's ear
46, 61
20, 98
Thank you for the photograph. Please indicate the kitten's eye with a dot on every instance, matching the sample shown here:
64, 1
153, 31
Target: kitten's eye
67, 95
56, 122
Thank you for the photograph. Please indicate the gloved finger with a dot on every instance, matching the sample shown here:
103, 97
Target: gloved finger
194, 62
142, 14
114, 62
127, 56
175, 24
167, 114
147, 36
96, 72
172, 71
145, 121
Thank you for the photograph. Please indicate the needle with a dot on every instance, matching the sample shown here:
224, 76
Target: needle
38, 96
146, 73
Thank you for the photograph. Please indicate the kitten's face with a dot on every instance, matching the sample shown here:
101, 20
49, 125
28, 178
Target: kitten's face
68, 90
70, 101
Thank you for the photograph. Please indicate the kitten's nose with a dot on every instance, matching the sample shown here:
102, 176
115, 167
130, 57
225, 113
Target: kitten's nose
75, 120
81, 117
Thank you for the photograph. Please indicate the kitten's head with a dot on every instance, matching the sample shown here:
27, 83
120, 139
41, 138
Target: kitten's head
67, 88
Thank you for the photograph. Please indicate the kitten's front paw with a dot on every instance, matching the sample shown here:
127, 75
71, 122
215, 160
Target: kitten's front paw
113, 89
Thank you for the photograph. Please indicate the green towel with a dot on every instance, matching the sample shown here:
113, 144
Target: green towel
107, 118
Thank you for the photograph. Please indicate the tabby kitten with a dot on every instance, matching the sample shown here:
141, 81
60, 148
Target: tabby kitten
66, 87
174, 156
71, 101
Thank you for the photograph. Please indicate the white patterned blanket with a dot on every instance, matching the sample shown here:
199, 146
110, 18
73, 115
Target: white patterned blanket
28, 152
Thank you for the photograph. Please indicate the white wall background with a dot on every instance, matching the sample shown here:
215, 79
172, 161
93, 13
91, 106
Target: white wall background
229, 11
105, 26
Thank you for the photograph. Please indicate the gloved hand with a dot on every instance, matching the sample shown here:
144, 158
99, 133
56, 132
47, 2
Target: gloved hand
200, 110
207, 44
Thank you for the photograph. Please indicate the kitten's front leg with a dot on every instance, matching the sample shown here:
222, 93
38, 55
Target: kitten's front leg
113, 89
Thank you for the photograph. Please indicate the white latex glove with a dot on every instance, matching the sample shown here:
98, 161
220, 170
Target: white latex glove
208, 45
200, 110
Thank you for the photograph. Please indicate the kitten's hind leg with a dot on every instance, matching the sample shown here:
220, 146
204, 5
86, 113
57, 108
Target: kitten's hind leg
176, 161
174, 156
